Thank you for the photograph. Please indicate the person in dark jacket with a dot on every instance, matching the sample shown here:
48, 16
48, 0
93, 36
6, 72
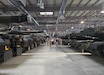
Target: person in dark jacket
13, 45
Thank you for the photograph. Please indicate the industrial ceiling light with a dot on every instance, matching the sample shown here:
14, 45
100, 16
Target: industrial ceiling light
28, 29
72, 27
82, 22
46, 13
20, 25
102, 12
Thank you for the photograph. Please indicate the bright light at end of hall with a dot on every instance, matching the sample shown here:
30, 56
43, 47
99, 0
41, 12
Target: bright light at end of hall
46, 13
102, 12
20, 25
28, 29
82, 22
72, 27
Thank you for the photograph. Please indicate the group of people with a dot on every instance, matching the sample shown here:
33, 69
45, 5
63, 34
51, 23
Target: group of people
53, 41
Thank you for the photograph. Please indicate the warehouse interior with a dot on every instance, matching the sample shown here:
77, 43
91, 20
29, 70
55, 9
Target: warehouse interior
64, 14
52, 37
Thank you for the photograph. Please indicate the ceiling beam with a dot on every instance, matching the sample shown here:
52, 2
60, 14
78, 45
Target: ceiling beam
51, 8
74, 23
68, 6
69, 18
84, 6
3, 4
44, 23
32, 5
78, 6
66, 18
52, 20
79, 3
95, 2
87, 2
70, 13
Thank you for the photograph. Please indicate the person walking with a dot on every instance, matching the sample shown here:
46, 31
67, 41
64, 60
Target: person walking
57, 41
51, 41
47, 41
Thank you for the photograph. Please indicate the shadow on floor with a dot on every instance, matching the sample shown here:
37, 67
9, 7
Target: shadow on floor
97, 59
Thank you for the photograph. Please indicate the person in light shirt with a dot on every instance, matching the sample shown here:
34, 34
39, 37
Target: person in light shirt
51, 41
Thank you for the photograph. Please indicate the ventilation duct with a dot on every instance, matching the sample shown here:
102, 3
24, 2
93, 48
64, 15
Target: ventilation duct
62, 11
40, 4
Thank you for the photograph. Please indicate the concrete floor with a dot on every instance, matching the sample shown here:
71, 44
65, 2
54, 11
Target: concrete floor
53, 61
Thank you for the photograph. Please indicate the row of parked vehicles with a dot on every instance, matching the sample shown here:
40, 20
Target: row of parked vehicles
90, 39
15, 43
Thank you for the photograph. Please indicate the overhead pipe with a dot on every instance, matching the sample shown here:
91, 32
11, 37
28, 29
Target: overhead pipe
20, 7
40, 4
61, 11
63, 6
